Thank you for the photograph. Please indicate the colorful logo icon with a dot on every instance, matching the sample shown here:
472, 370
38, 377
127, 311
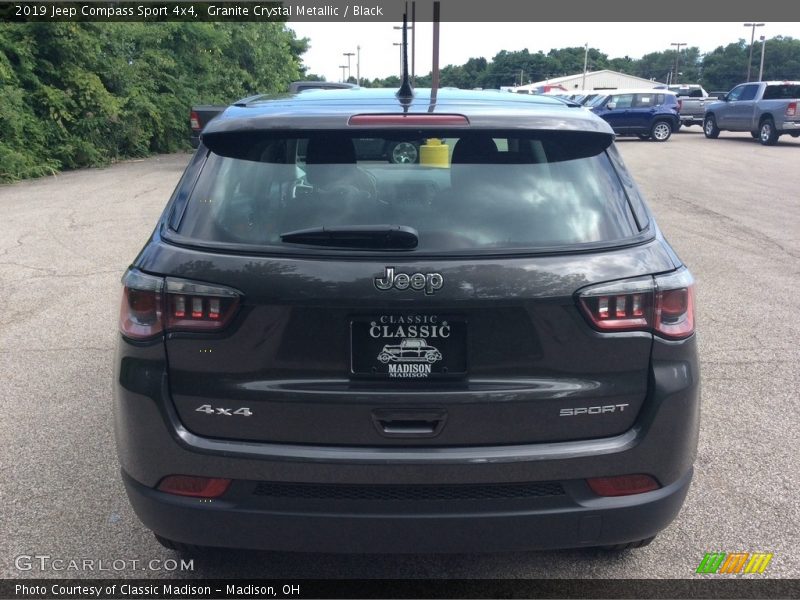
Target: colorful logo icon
734, 563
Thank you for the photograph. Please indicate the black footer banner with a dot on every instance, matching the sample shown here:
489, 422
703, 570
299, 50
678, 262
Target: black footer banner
199, 589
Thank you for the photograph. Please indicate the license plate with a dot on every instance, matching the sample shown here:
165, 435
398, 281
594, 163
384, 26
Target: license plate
417, 346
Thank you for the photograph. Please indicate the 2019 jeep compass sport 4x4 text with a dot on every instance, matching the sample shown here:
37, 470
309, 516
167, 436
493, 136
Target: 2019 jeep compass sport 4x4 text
491, 349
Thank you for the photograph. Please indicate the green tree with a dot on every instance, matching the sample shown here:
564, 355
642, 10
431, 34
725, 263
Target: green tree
78, 94
568, 61
781, 59
724, 67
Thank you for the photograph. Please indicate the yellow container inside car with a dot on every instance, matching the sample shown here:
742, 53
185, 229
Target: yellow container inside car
433, 153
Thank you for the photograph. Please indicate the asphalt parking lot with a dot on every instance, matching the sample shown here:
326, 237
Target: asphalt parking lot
730, 207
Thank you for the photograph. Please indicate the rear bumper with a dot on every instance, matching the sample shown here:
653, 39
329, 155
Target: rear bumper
152, 443
243, 520
790, 126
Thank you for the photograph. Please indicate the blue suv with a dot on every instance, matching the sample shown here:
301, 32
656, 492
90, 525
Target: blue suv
648, 114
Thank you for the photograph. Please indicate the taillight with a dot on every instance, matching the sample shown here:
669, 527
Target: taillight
663, 305
674, 306
620, 306
199, 307
140, 312
151, 305
680, 104
791, 110
194, 121
196, 487
622, 485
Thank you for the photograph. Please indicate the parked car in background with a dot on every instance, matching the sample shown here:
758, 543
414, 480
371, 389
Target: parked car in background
767, 109
646, 113
199, 117
693, 99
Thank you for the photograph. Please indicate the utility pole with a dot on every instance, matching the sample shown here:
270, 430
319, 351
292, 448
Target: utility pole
435, 70
413, 42
585, 65
358, 65
761, 68
401, 56
677, 58
343, 67
752, 39
348, 55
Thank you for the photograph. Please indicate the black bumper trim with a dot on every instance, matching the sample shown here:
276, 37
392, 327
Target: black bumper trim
489, 526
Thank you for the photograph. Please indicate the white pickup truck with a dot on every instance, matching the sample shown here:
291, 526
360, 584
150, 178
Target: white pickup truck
767, 109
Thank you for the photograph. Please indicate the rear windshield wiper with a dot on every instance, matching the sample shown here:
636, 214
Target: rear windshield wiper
367, 237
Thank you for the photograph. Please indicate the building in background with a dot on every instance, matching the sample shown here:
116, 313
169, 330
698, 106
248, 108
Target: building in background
595, 80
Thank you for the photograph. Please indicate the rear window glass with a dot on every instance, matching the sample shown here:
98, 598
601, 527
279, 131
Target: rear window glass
687, 92
782, 92
460, 193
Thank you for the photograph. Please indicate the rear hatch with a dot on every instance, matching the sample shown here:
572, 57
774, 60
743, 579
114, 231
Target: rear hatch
467, 331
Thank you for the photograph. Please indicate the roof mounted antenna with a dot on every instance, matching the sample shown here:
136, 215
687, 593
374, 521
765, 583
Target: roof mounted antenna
406, 92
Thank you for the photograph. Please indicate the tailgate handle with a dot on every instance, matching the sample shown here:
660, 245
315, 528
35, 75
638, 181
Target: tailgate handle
410, 423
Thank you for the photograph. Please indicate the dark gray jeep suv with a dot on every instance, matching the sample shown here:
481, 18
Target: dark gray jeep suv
490, 349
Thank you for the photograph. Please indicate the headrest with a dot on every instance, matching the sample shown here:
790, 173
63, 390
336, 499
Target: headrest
474, 149
330, 149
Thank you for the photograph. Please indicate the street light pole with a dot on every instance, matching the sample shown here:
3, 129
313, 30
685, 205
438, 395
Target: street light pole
358, 65
752, 40
761, 68
348, 55
677, 58
342, 67
585, 65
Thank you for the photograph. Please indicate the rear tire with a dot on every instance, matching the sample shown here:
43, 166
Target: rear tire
629, 545
710, 128
179, 547
661, 131
767, 134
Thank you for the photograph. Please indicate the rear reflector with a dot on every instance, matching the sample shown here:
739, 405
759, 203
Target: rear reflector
622, 485
408, 120
196, 487
663, 305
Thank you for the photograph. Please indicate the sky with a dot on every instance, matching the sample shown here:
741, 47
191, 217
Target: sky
462, 41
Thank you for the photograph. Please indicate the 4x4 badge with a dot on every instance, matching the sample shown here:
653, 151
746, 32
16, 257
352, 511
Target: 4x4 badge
430, 282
